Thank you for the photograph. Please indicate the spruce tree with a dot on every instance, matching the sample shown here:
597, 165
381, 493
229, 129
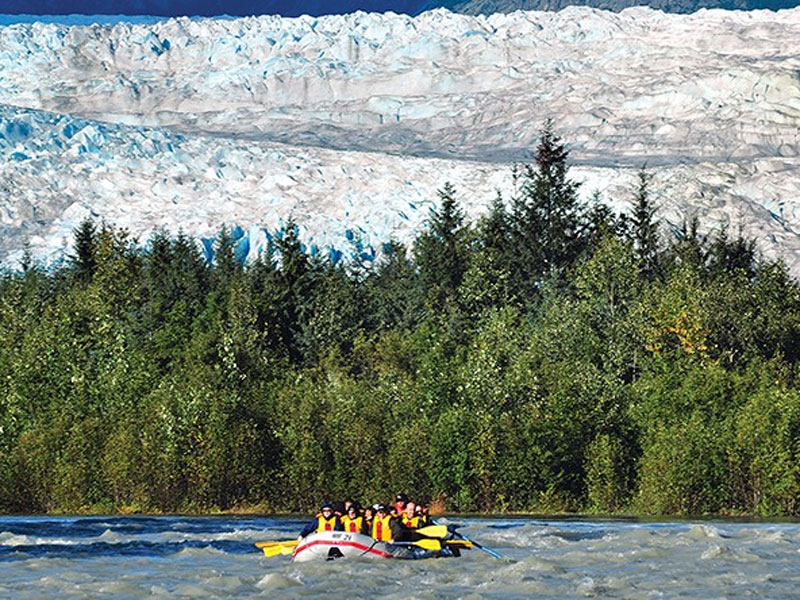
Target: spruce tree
393, 290
84, 259
486, 282
295, 288
549, 220
226, 265
645, 226
441, 253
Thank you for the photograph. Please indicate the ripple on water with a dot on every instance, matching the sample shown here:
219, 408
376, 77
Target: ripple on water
769, 537
190, 590
277, 581
715, 551
118, 589
528, 564
702, 531
604, 559
199, 552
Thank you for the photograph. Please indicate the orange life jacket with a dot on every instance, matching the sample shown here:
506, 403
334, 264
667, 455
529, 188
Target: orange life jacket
324, 524
381, 530
353, 525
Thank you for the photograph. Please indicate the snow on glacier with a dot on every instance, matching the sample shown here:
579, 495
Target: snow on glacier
350, 123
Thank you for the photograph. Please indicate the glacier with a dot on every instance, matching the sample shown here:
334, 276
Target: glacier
349, 124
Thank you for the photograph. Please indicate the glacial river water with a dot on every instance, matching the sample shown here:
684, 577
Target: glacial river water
214, 557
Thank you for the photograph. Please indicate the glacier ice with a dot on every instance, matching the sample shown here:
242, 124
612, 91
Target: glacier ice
350, 123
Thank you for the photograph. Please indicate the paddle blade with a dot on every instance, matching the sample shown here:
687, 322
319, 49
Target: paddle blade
429, 544
463, 544
278, 547
433, 531
271, 551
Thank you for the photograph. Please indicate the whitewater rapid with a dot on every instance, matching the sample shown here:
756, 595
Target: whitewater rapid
185, 557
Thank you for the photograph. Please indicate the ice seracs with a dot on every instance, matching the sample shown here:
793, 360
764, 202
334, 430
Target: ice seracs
349, 124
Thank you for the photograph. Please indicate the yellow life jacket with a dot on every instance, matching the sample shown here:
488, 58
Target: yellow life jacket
353, 525
413, 522
324, 524
381, 530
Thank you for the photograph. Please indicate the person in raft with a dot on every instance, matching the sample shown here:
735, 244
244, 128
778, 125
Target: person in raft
399, 506
326, 520
354, 522
410, 519
422, 512
386, 527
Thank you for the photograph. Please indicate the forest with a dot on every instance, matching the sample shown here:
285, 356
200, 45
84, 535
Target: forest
550, 356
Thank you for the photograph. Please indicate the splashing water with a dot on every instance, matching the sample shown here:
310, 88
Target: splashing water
187, 557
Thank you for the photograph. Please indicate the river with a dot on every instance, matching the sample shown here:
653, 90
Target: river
188, 557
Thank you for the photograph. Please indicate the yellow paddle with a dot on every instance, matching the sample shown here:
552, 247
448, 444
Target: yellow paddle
276, 548
435, 544
466, 544
427, 543
433, 531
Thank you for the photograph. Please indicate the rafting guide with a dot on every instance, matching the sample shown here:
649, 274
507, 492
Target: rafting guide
402, 530
326, 520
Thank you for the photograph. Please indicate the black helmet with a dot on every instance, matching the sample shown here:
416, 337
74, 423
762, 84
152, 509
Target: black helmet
380, 508
326, 505
401, 498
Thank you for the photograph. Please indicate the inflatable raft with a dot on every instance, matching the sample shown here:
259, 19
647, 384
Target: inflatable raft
330, 545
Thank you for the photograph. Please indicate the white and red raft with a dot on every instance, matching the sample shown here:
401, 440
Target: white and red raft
330, 545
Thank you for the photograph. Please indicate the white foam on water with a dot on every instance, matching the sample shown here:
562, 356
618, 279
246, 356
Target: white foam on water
121, 588
189, 590
235, 535
110, 537
11, 539
714, 551
224, 582
275, 581
676, 560
703, 531
199, 552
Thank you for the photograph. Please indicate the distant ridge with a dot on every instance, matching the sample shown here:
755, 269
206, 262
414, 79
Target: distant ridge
477, 7
289, 8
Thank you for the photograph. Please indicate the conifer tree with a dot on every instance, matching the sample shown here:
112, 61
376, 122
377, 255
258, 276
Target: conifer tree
727, 255
645, 226
84, 260
393, 290
487, 281
226, 265
549, 220
441, 253
688, 247
295, 287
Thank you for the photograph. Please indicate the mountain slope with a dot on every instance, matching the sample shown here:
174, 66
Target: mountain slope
288, 8
57, 170
623, 87
487, 7
350, 123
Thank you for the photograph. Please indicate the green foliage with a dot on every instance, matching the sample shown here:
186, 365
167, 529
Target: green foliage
683, 469
441, 252
644, 227
765, 454
609, 473
550, 229
550, 357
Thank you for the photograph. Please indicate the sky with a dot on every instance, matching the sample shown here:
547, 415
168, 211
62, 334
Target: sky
172, 8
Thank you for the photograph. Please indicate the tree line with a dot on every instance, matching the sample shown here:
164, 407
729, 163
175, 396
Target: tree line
549, 356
